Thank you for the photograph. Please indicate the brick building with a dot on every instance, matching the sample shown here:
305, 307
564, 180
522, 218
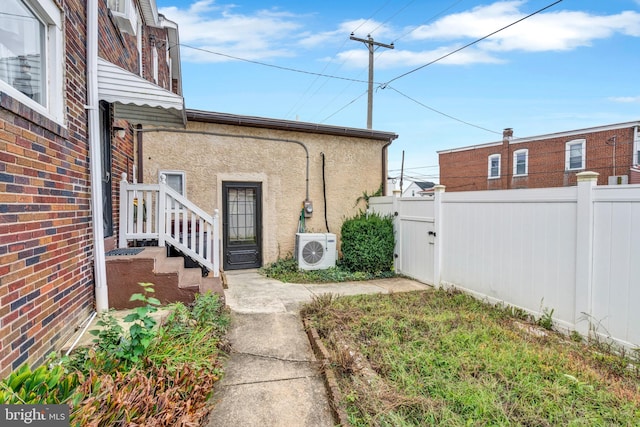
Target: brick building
76, 78
551, 160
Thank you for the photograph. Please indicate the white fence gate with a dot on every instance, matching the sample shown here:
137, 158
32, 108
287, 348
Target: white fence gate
414, 227
575, 250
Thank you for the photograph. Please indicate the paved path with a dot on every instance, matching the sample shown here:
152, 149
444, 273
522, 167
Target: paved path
272, 377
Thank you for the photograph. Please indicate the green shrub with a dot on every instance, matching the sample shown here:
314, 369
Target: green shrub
368, 243
53, 385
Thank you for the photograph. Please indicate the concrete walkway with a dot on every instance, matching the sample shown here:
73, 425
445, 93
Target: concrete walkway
272, 377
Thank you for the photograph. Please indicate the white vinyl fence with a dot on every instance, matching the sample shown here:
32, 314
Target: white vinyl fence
573, 250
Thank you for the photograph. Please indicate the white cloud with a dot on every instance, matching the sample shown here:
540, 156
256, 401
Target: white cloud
273, 33
547, 31
625, 99
218, 28
407, 58
363, 29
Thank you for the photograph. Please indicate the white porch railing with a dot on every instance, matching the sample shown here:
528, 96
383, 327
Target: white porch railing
156, 211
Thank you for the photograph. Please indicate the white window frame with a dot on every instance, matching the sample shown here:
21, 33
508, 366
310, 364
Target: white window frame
524, 152
491, 157
182, 174
636, 146
567, 156
51, 15
125, 14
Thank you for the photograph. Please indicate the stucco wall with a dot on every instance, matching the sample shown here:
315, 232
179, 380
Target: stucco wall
352, 166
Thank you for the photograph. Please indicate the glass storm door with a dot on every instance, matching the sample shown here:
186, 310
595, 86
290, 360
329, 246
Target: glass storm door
242, 225
105, 144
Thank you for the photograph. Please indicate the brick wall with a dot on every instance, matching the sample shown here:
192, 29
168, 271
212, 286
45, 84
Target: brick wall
121, 161
115, 46
466, 169
46, 246
46, 277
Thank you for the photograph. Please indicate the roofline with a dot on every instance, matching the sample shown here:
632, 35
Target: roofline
289, 125
547, 136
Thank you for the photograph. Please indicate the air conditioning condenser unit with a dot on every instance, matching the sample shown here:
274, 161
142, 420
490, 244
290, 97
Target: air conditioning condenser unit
315, 251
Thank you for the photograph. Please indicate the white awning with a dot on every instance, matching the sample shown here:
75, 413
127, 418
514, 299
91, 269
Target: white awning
137, 100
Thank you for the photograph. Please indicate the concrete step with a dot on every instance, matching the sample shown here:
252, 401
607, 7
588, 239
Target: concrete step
212, 284
191, 277
168, 265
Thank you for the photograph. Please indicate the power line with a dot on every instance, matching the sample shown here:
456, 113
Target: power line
472, 43
351, 102
416, 167
279, 67
440, 112
372, 15
429, 19
392, 16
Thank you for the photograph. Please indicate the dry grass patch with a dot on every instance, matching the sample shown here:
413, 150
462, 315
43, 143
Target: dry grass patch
445, 358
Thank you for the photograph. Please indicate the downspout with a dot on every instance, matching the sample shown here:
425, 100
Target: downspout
384, 167
95, 155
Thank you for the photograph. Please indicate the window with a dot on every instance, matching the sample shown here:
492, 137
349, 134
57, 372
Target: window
521, 162
636, 149
30, 55
175, 180
494, 166
575, 154
125, 15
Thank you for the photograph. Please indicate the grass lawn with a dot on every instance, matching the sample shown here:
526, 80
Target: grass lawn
444, 358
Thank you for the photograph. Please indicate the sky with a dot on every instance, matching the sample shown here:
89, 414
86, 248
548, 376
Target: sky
571, 65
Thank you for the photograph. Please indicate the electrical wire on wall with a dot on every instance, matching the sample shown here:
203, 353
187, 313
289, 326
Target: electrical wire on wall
301, 224
324, 193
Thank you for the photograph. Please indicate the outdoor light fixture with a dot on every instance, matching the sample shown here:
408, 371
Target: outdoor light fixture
120, 131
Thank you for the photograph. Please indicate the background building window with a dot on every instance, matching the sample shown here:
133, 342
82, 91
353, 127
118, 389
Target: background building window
175, 180
521, 162
575, 155
494, 166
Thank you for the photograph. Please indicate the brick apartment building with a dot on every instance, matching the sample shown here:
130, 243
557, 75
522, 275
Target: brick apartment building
551, 160
75, 77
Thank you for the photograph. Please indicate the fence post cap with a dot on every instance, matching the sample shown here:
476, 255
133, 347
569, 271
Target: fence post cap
439, 188
587, 176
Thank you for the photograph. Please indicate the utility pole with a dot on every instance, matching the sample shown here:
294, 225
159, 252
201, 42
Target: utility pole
371, 44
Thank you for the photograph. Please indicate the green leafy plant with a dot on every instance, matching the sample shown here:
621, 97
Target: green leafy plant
45, 384
366, 196
129, 346
546, 320
368, 243
286, 270
141, 331
109, 335
208, 310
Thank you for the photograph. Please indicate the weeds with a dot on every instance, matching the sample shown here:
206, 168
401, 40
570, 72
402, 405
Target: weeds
546, 320
444, 358
146, 374
286, 270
